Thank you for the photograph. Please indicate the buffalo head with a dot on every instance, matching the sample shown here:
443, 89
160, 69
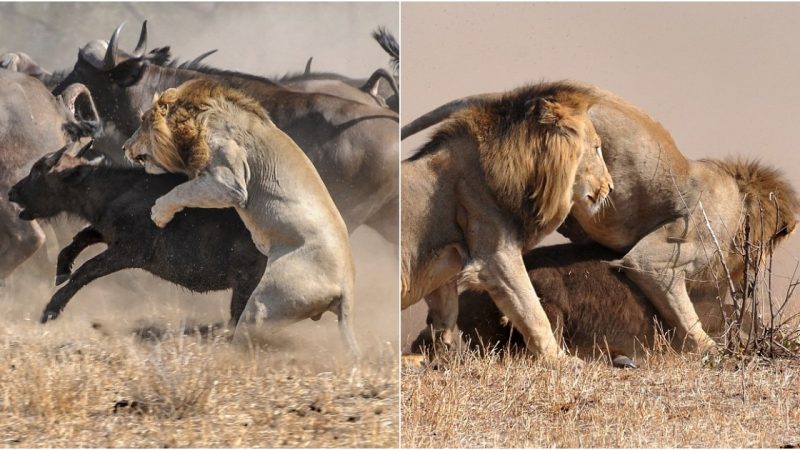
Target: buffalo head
39, 193
107, 71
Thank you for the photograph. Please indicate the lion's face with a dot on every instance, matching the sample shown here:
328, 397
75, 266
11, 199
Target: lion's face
593, 183
138, 148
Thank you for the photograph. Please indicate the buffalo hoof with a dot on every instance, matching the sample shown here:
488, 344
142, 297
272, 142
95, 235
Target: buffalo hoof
62, 278
623, 362
48, 316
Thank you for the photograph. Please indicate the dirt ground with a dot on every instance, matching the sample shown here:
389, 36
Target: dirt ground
59, 383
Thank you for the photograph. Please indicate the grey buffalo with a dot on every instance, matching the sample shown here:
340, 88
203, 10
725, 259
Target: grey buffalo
32, 122
353, 146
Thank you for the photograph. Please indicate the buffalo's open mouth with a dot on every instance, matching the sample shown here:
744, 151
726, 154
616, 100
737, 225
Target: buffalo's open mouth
26, 215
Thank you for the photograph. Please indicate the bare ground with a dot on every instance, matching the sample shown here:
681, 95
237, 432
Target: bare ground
672, 400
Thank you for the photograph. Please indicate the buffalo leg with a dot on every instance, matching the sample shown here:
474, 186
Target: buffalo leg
242, 291
101, 265
86, 237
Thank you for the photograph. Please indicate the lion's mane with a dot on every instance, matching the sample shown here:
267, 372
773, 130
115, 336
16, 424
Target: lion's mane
181, 140
527, 148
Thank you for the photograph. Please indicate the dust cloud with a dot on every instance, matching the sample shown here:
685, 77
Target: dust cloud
258, 38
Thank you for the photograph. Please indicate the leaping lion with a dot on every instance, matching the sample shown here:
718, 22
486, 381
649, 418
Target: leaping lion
236, 157
493, 181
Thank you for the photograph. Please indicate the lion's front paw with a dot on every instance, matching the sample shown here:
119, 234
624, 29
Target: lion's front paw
161, 216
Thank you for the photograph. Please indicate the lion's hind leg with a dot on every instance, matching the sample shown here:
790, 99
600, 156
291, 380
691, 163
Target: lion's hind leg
658, 266
295, 287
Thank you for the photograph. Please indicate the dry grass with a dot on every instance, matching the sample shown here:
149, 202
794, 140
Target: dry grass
672, 400
113, 391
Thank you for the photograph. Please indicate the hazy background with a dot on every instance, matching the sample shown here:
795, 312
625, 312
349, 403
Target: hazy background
259, 38
721, 77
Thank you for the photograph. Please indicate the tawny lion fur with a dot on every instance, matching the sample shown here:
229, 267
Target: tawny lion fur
492, 182
666, 213
593, 306
180, 142
236, 157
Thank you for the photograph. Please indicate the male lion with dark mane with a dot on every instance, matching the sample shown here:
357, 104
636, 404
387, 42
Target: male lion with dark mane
670, 212
493, 181
236, 157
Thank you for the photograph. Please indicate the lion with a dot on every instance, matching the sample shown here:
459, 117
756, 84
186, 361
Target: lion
595, 309
669, 211
492, 182
236, 157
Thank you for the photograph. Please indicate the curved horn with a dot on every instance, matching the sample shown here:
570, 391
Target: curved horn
371, 86
110, 60
84, 121
71, 93
202, 57
142, 44
308, 66
441, 113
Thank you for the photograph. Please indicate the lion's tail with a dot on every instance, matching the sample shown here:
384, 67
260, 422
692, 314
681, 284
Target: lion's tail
345, 314
441, 113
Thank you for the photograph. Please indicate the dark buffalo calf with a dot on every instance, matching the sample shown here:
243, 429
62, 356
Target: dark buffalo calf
590, 306
201, 249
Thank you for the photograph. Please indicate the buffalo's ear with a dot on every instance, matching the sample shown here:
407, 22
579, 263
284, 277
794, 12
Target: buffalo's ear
159, 56
129, 72
71, 169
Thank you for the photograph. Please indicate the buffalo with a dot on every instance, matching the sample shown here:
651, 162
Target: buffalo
353, 146
32, 119
202, 249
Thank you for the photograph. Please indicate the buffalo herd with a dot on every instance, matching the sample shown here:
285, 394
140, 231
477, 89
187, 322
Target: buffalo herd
61, 136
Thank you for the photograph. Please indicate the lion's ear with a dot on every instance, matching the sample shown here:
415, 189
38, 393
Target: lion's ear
166, 100
551, 113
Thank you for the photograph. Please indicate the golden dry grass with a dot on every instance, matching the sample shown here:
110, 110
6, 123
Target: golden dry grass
671, 401
185, 391
60, 382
